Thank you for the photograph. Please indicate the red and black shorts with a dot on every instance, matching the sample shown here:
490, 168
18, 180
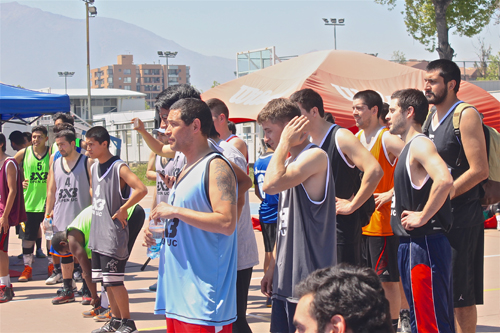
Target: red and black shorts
4, 241
176, 326
381, 254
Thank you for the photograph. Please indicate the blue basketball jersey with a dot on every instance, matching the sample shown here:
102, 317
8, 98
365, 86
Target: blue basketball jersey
197, 271
268, 211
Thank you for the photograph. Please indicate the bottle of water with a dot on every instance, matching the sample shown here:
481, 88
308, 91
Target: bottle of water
49, 230
497, 215
157, 228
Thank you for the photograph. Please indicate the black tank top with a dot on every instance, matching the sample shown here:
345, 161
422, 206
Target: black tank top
407, 197
467, 206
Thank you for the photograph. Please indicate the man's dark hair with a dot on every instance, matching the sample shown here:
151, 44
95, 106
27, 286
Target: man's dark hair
355, 293
415, 98
2, 140
17, 137
193, 108
280, 110
448, 70
172, 94
329, 117
385, 111
63, 127
213, 133
371, 98
65, 117
99, 134
59, 237
231, 126
218, 107
308, 99
40, 128
67, 135
28, 136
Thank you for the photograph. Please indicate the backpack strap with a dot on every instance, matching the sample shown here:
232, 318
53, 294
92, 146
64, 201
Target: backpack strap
427, 122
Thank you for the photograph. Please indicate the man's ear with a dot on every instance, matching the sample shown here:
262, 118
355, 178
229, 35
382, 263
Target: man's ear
314, 110
196, 125
452, 84
337, 324
411, 112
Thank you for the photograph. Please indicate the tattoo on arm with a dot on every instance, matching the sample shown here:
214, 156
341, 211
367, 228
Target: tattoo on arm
226, 182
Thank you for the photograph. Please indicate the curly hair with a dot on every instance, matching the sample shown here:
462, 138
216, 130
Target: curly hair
355, 293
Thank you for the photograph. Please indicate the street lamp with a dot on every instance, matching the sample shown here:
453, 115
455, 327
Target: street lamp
166, 55
333, 21
90, 11
66, 75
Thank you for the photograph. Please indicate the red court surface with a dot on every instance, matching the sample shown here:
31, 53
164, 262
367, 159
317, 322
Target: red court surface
32, 311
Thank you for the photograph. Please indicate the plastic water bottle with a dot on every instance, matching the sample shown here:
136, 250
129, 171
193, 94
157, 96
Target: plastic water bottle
49, 230
497, 215
158, 231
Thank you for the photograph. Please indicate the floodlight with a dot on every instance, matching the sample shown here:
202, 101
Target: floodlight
333, 20
325, 19
92, 11
341, 21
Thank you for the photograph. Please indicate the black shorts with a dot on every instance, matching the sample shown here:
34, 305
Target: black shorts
4, 241
349, 254
381, 254
467, 249
109, 271
269, 235
29, 229
282, 314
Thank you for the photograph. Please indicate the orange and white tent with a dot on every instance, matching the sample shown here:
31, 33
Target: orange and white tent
336, 76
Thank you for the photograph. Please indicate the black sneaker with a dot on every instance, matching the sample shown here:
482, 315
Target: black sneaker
77, 275
404, 321
110, 326
153, 287
128, 326
40, 254
66, 296
6, 294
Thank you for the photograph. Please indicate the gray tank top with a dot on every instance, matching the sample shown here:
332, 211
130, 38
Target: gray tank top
72, 192
162, 191
107, 236
306, 236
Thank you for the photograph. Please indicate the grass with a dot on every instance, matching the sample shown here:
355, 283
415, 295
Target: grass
140, 171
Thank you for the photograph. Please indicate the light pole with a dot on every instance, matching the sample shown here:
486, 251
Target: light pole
66, 75
333, 21
90, 11
166, 55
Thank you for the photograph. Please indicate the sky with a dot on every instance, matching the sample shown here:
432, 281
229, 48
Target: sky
223, 28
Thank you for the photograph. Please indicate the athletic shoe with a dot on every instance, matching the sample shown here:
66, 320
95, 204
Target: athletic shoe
77, 275
153, 287
86, 298
75, 290
105, 316
110, 326
40, 254
65, 297
6, 294
55, 277
269, 302
128, 326
20, 256
93, 312
404, 321
26, 275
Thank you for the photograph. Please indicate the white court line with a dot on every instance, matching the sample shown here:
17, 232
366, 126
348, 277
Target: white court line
492, 256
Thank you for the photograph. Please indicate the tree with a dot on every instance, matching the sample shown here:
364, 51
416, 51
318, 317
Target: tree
493, 70
484, 54
399, 57
215, 84
427, 20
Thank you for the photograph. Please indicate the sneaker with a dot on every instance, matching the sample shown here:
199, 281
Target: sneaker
93, 312
75, 290
111, 326
77, 275
404, 321
105, 316
20, 256
40, 254
127, 326
26, 275
153, 287
86, 299
65, 297
6, 294
55, 277
269, 302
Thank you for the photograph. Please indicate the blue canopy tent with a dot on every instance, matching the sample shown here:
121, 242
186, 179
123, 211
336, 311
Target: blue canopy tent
16, 104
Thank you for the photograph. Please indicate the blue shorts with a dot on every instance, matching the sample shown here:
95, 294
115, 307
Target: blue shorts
282, 314
426, 273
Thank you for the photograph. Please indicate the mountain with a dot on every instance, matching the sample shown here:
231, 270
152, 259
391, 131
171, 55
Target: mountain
35, 45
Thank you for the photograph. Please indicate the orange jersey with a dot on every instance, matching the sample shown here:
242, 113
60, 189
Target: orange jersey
380, 222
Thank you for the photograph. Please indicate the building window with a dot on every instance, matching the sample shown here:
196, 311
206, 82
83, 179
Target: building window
120, 78
127, 79
110, 72
110, 79
126, 71
119, 69
127, 88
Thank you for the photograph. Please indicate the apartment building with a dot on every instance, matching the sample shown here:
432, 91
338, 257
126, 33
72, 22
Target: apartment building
149, 79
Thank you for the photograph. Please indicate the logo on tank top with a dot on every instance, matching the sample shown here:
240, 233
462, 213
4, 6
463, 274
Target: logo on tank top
284, 220
393, 205
171, 232
98, 204
162, 188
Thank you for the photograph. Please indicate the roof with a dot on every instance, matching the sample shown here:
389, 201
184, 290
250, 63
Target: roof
103, 93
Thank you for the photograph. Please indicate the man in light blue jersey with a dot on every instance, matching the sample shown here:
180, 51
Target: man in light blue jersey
197, 271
